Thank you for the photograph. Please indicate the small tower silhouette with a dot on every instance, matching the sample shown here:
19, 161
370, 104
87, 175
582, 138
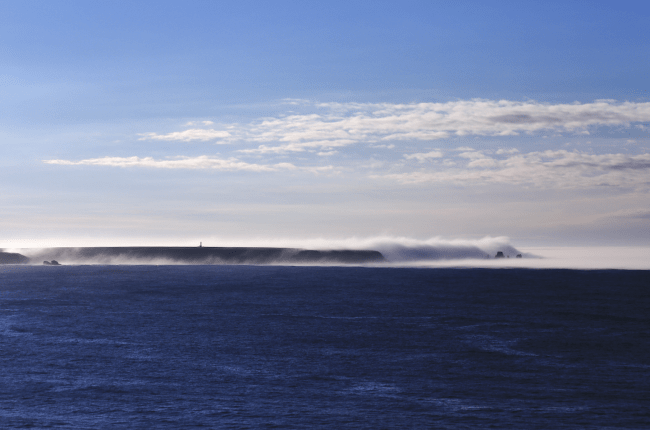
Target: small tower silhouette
200, 244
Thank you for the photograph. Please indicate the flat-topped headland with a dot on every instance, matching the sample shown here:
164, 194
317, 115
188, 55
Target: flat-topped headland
203, 255
13, 258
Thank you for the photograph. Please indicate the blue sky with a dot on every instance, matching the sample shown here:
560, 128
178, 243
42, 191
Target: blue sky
236, 122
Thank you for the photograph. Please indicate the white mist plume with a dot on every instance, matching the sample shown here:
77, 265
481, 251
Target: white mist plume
394, 249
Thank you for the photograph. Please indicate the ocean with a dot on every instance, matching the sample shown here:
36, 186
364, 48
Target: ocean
181, 347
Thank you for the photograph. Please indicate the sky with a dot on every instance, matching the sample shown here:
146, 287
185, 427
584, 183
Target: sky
256, 122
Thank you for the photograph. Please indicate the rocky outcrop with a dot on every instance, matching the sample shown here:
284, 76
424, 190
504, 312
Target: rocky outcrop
13, 258
51, 263
500, 255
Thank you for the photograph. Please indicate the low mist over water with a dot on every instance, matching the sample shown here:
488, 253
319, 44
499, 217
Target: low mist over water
384, 250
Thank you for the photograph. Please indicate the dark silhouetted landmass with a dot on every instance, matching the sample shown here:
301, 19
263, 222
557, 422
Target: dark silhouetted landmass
205, 255
13, 258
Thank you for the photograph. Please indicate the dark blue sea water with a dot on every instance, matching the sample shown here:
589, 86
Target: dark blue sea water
184, 347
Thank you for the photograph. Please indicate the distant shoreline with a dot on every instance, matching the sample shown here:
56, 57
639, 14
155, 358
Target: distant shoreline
192, 255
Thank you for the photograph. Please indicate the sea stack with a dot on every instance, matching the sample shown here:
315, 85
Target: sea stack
51, 263
500, 255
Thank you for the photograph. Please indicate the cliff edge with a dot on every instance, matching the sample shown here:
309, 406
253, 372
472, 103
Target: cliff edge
13, 258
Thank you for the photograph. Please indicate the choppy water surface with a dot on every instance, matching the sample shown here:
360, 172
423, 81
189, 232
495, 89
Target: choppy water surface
323, 347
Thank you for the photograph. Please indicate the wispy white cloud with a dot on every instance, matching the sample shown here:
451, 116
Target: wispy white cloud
426, 121
472, 155
421, 157
507, 151
188, 135
297, 147
557, 169
198, 123
332, 125
482, 163
200, 162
